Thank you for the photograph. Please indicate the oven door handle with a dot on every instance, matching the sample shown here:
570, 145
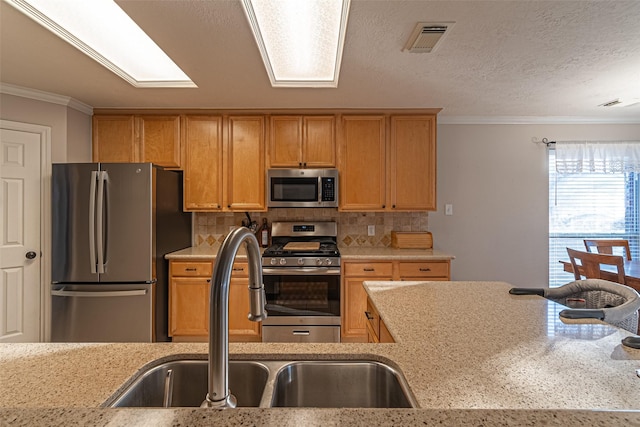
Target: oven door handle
290, 271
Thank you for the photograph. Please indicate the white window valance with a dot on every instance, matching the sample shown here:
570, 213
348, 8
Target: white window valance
597, 157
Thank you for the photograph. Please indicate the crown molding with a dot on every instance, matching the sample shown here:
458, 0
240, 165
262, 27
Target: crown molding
533, 120
39, 95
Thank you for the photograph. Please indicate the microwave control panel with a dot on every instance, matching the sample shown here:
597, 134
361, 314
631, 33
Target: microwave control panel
328, 189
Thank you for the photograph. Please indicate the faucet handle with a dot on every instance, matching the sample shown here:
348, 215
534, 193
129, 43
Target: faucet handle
257, 303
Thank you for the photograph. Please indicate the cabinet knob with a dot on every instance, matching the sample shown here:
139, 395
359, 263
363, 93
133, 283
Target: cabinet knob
384, 206
393, 206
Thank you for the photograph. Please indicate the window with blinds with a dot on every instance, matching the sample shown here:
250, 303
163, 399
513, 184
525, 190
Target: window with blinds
589, 206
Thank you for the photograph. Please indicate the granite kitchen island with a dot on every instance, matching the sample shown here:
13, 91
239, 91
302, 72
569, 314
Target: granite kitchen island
471, 353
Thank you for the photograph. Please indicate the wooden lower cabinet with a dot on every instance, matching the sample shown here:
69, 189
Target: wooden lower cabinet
189, 288
377, 331
240, 327
354, 297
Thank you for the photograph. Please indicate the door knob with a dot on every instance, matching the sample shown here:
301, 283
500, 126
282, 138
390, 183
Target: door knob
30, 255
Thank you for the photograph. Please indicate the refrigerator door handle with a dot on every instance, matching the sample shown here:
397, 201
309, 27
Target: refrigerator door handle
102, 178
94, 294
92, 222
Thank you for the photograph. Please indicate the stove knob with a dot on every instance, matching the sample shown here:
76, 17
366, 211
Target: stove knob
300, 261
318, 261
327, 261
283, 261
274, 261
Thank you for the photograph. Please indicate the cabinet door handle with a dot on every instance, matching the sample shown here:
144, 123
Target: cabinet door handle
369, 269
425, 269
368, 315
238, 269
190, 269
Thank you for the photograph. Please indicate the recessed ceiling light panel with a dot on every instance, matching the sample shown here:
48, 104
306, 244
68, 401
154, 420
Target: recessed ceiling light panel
103, 31
301, 42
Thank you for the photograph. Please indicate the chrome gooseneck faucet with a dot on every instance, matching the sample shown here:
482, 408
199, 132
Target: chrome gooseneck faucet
219, 395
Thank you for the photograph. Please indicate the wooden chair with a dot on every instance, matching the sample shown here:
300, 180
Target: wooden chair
589, 266
606, 246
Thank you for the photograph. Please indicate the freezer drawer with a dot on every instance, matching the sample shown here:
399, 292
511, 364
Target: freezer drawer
102, 313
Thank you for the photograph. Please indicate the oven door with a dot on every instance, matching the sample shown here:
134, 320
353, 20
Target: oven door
306, 291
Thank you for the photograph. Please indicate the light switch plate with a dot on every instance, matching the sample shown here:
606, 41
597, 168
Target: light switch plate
371, 230
448, 209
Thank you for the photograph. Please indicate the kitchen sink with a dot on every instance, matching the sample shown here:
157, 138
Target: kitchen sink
184, 383
340, 384
300, 383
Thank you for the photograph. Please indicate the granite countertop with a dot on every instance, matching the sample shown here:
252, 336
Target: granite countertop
472, 354
346, 253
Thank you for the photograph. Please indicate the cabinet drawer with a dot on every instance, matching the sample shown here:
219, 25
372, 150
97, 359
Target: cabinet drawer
423, 269
199, 269
240, 269
366, 269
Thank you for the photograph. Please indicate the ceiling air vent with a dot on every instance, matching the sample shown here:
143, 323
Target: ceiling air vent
611, 103
632, 102
426, 36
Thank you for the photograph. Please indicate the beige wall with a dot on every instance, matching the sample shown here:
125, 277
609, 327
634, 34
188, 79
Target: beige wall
78, 136
496, 178
70, 128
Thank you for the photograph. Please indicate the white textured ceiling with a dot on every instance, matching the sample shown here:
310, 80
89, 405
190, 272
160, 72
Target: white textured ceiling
502, 58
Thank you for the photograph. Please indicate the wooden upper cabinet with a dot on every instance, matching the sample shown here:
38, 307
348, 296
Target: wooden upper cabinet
132, 138
319, 141
114, 139
202, 139
302, 142
285, 141
362, 163
413, 163
160, 140
245, 163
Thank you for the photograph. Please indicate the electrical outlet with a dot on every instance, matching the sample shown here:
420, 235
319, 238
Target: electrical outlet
371, 230
448, 209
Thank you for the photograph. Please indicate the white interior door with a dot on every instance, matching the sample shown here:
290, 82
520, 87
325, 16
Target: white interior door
20, 236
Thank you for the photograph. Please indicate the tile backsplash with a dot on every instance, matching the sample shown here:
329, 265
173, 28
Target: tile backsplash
211, 228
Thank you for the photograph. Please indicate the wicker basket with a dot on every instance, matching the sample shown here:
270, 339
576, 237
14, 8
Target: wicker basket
411, 240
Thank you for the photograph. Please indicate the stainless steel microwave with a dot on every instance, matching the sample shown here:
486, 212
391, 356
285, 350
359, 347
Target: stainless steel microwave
302, 188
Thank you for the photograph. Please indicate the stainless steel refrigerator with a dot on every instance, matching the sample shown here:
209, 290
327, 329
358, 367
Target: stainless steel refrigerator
112, 225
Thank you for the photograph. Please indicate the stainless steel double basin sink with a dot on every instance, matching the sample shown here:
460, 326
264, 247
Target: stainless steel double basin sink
300, 383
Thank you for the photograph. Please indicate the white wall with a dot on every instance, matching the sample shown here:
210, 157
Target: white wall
70, 128
496, 178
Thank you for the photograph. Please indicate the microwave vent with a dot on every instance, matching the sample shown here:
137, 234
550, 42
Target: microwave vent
426, 36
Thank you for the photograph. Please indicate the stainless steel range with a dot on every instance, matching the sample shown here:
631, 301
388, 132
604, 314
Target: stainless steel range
301, 273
